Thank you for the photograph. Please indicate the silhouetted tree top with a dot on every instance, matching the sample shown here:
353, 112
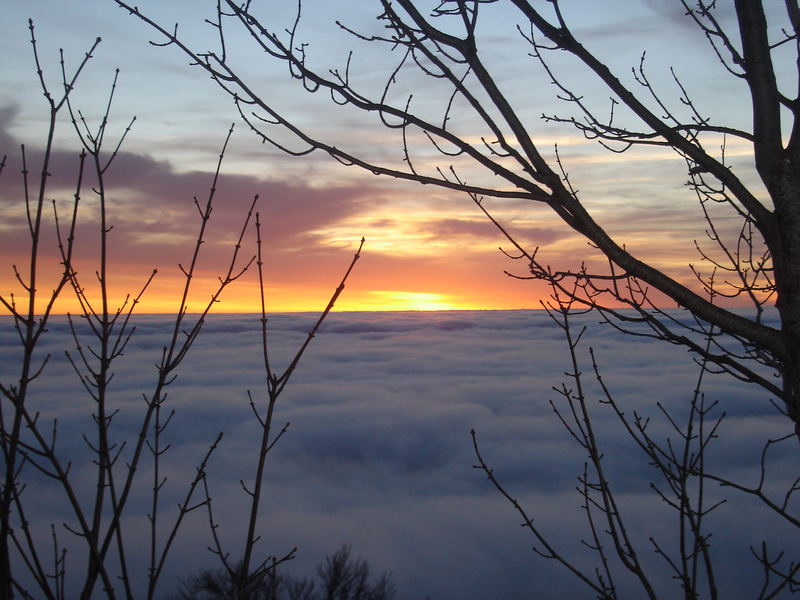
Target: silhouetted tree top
340, 576
499, 154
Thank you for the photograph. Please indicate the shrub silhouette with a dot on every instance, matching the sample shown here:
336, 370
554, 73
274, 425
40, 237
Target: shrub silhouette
340, 576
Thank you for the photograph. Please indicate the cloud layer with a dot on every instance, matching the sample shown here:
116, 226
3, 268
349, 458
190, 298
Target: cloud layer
379, 455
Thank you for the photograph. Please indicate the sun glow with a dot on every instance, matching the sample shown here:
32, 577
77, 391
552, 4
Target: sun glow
402, 300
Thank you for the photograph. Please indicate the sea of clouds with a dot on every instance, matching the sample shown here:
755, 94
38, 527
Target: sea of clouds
379, 455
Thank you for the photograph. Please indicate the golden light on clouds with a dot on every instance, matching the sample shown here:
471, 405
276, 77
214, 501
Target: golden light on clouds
245, 299
427, 249
405, 300
413, 232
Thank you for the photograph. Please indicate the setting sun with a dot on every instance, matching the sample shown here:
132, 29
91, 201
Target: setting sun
401, 300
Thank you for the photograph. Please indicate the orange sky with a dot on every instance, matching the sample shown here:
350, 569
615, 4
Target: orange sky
426, 248
430, 252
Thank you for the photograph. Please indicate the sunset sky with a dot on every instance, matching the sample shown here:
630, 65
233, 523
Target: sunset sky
379, 454
426, 248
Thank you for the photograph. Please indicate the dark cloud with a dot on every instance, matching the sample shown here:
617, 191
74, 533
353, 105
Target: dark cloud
152, 193
643, 25
455, 227
383, 223
676, 13
155, 224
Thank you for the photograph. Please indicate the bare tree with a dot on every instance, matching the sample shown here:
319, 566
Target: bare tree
485, 145
459, 126
36, 459
618, 558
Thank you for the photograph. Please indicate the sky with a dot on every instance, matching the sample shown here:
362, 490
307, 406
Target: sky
426, 248
379, 456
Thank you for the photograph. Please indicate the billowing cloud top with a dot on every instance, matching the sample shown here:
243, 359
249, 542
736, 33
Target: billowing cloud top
379, 455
